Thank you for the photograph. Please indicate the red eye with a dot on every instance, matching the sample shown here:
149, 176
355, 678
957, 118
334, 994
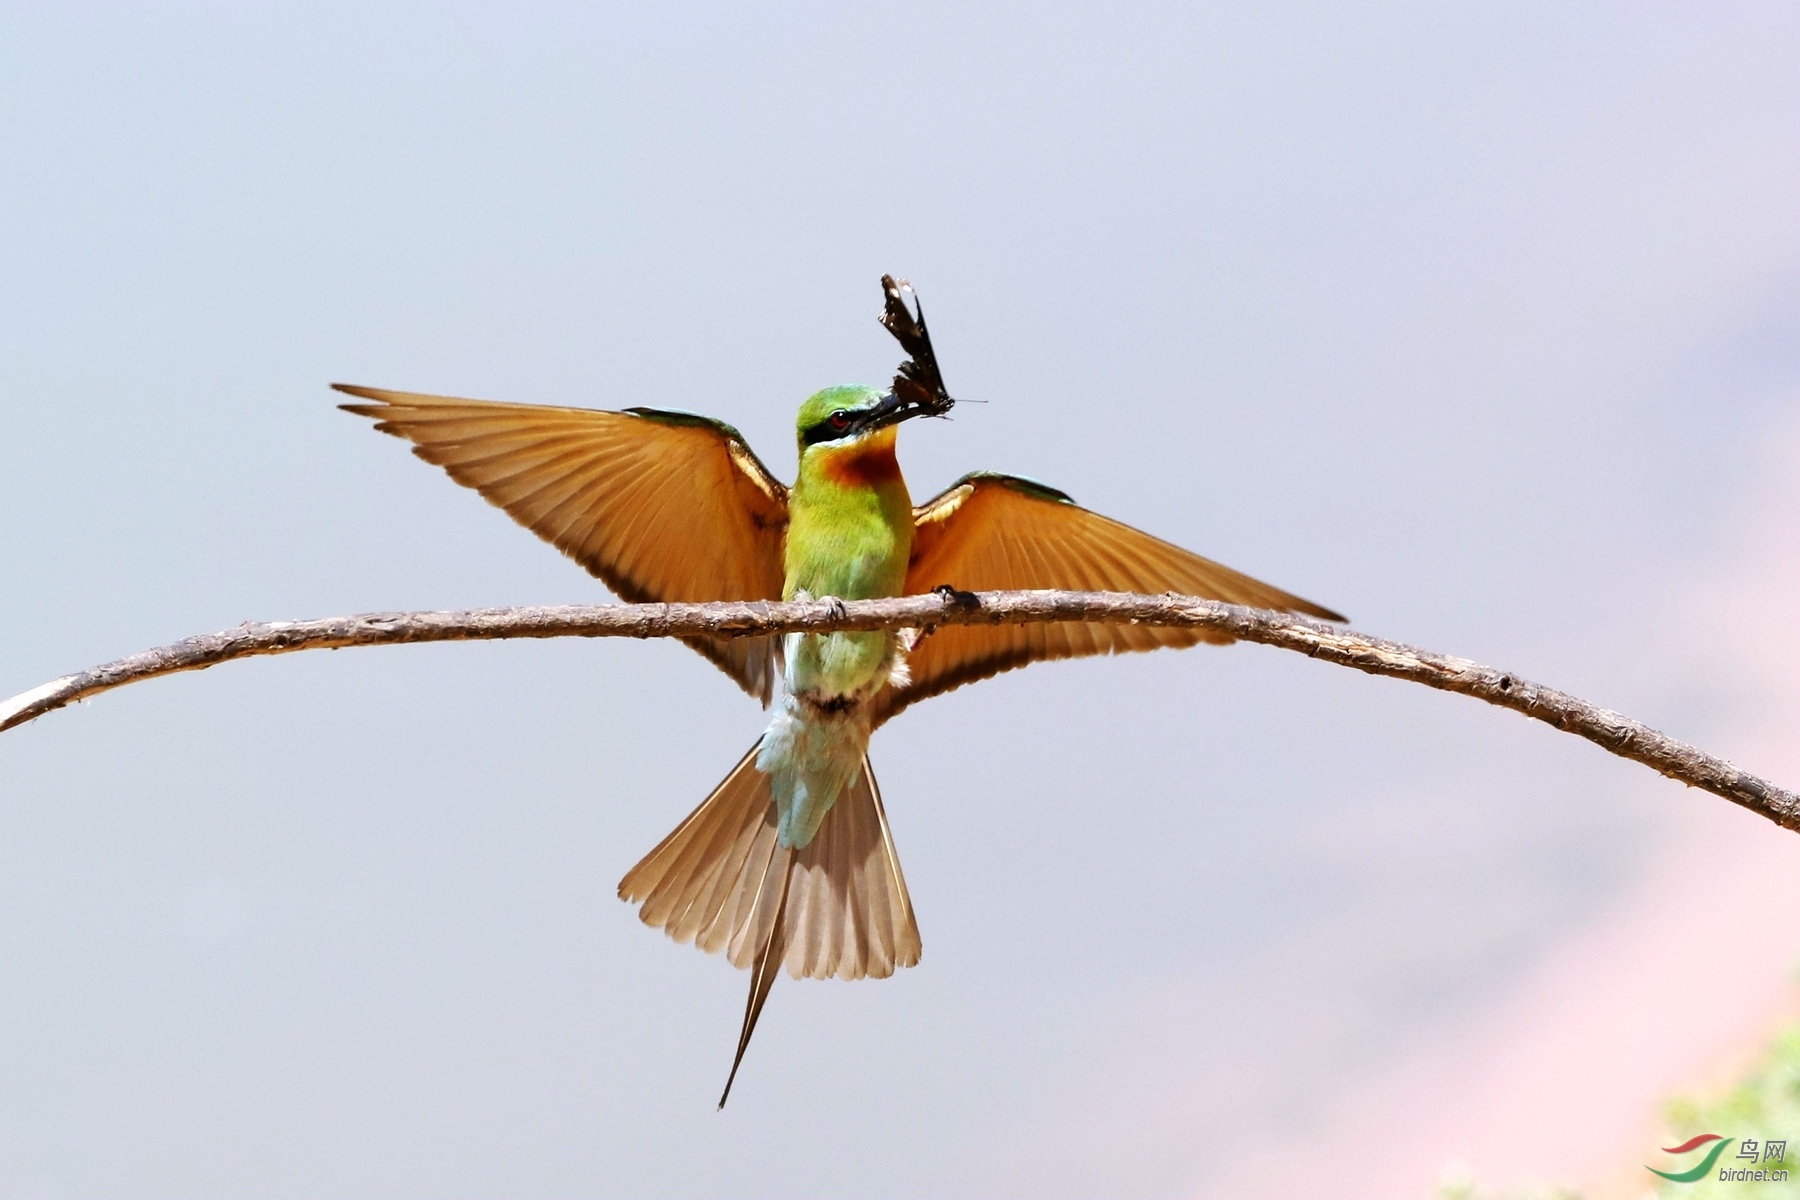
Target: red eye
840, 419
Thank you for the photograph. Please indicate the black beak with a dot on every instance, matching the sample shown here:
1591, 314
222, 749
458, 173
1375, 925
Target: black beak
891, 409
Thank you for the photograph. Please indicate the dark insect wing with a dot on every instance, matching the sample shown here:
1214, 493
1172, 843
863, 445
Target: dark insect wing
918, 381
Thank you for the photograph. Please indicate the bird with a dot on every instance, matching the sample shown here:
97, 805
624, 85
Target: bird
790, 861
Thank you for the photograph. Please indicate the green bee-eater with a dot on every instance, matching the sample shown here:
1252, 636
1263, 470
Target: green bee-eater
790, 860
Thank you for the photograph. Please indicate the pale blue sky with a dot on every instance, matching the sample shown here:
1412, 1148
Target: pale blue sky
1462, 321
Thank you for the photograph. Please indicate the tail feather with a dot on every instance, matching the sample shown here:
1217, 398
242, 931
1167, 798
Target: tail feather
740, 867
847, 913
682, 852
768, 964
851, 914
837, 907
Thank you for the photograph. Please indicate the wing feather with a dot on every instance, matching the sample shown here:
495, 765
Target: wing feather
657, 505
992, 532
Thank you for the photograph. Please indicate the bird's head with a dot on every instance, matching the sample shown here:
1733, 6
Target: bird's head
841, 417
862, 418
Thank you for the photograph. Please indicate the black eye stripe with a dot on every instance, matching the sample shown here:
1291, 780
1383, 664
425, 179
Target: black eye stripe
835, 426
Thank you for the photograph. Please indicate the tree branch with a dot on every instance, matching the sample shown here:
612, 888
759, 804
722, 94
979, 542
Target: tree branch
1609, 730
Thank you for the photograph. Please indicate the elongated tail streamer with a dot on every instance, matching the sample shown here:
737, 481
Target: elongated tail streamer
768, 965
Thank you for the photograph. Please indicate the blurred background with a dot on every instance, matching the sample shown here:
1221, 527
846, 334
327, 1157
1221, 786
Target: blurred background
1479, 324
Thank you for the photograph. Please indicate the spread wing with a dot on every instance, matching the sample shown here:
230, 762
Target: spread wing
658, 505
996, 532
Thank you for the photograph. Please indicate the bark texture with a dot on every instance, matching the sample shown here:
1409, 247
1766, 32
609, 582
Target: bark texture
1611, 731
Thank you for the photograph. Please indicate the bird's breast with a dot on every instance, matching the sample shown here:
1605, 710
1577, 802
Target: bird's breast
850, 522
868, 465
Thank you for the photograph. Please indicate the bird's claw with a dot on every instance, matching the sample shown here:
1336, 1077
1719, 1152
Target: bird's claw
956, 597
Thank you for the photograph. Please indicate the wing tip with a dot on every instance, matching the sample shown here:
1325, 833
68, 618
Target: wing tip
1308, 608
383, 401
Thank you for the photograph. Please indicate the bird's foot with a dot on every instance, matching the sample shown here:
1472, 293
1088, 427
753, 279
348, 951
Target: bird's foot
956, 597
